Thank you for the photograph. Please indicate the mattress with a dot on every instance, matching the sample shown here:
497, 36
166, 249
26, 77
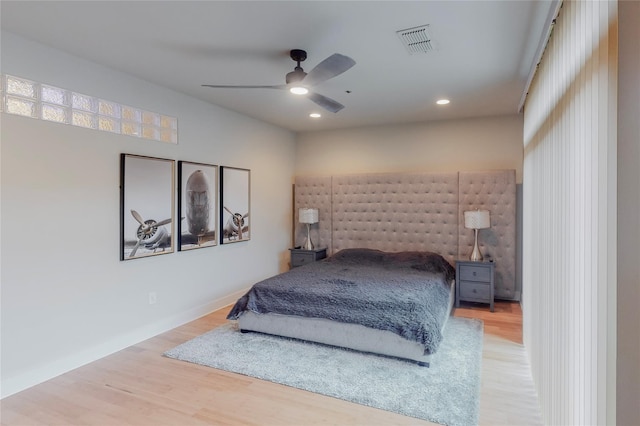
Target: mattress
394, 304
335, 333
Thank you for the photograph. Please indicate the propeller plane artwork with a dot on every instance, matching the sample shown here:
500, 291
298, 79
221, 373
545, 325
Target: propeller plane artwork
235, 226
150, 234
302, 83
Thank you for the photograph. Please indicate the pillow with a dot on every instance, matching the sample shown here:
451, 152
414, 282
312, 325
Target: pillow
419, 260
358, 255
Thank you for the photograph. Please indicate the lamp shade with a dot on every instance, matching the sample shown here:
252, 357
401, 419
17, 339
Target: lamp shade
477, 219
308, 215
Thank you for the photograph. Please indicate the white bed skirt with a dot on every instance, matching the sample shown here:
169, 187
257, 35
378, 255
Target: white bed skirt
352, 336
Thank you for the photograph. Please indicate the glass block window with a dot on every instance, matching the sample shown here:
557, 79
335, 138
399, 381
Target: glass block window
130, 128
131, 114
151, 118
84, 119
55, 113
84, 103
107, 124
21, 87
54, 95
150, 132
42, 101
108, 109
20, 106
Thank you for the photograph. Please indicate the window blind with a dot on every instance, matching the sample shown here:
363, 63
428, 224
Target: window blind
569, 214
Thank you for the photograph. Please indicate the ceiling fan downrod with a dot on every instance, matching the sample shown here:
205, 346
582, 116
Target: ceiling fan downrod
298, 73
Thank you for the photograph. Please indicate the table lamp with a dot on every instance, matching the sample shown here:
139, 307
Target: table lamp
477, 219
308, 217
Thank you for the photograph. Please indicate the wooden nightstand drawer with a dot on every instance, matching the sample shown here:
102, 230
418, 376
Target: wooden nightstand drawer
471, 290
475, 273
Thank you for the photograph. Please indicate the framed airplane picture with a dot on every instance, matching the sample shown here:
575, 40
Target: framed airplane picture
198, 205
235, 195
146, 206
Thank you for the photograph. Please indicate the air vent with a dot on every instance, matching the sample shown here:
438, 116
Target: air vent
416, 39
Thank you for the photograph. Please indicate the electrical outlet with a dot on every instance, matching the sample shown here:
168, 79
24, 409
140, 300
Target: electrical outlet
152, 298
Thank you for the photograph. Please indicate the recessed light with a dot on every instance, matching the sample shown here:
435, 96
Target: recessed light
443, 101
299, 90
314, 115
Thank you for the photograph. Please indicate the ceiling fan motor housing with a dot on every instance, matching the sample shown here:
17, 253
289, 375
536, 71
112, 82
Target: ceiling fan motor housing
298, 55
295, 76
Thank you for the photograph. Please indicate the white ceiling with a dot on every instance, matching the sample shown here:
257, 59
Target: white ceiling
485, 52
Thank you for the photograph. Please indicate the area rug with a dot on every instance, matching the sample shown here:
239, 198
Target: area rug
447, 392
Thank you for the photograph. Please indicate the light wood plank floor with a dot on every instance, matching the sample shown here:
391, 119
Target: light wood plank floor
137, 386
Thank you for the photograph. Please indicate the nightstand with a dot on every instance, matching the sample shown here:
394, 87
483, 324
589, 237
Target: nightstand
301, 257
474, 282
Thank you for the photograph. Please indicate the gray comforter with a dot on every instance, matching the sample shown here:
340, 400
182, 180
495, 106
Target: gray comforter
406, 293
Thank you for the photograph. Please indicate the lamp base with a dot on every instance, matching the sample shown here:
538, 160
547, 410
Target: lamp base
308, 244
476, 256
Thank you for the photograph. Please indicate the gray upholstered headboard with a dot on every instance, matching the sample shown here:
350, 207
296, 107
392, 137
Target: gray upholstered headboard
414, 211
396, 212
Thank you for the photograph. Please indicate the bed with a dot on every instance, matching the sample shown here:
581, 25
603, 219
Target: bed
392, 215
393, 304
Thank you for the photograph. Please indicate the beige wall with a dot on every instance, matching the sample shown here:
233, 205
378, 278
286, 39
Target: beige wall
447, 146
470, 145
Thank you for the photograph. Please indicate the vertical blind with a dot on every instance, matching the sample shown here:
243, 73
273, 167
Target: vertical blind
569, 213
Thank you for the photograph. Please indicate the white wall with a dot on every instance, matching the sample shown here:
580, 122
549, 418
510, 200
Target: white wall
67, 299
470, 145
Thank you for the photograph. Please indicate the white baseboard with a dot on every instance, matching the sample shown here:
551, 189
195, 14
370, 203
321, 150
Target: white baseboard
44, 372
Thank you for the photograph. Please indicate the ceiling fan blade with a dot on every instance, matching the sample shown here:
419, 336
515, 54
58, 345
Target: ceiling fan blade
334, 65
216, 86
326, 103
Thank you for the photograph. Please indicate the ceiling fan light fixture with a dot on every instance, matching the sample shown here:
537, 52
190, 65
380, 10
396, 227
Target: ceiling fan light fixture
443, 101
315, 115
298, 81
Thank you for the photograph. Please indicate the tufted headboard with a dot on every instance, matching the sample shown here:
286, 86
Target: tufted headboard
396, 212
414, 211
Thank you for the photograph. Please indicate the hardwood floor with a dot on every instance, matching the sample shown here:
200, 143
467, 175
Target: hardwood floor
137, 386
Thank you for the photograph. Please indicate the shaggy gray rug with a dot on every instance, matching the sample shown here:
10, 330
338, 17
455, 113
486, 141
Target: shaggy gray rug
446, 393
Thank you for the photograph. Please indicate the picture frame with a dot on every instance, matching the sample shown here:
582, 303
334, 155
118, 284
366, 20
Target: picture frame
146, 206
235, 205
197, 205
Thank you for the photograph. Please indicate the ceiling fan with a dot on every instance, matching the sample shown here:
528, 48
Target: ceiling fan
299, 82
